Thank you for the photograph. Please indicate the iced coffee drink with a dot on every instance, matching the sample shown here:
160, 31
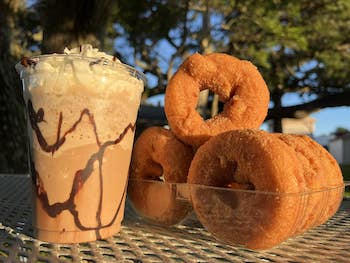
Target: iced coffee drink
82, 107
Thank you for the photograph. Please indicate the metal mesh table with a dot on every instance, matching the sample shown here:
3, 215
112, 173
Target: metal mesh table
141, 242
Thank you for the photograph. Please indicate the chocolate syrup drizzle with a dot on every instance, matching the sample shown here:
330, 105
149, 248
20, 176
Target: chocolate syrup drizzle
81, 175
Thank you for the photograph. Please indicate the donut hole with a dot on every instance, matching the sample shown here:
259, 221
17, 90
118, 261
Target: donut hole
228, 172
208, 111
154, 172
204, 111
213, 100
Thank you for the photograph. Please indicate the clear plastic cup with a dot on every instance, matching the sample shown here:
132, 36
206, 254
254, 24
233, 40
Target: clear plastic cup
81, 121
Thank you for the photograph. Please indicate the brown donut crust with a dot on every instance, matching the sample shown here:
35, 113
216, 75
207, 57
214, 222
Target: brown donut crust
334, 179
238, 84
247, 159
315, 178
156, 153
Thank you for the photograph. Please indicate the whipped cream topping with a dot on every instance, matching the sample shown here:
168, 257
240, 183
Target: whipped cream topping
93, 71
88, 51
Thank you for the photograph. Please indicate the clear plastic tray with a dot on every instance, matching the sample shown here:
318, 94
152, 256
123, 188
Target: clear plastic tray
248, 218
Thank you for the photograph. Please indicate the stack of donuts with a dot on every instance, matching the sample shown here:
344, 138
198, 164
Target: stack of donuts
284, 184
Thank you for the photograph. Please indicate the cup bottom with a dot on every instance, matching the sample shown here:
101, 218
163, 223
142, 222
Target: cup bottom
65, 237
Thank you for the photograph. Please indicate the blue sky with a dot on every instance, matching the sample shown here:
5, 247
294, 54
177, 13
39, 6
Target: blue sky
331, 118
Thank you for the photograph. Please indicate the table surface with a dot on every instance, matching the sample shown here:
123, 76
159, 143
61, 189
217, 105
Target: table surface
141, 242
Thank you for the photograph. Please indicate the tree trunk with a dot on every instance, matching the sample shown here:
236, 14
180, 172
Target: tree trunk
215, 105
72, 23
205, 48
12, 130
65, 23
277, 101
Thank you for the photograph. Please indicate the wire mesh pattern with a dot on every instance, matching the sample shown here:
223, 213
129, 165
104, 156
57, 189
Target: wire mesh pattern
139, 241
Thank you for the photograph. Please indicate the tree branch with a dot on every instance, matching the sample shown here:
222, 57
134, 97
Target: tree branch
156, 90
303, 110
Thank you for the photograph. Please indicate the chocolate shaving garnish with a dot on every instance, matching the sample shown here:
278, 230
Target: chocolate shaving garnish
114, 58
25, 61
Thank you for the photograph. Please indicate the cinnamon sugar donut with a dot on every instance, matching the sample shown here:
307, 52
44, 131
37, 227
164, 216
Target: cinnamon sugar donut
158, 153
334, 179
315, 178
247, 160
238, 84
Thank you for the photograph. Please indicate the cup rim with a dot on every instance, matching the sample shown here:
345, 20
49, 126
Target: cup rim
102, 61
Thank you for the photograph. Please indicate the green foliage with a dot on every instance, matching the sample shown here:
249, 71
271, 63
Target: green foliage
148, 19
299, 46
288, 36
341, 131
